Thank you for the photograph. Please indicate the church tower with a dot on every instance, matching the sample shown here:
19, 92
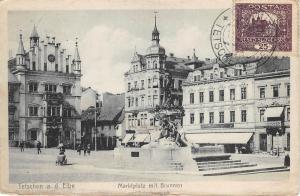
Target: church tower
34, 38
76, 60
20, 57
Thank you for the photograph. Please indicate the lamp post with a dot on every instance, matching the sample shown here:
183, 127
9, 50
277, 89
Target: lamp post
96, 100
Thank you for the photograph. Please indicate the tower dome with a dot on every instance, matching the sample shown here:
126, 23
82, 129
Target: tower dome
155, 47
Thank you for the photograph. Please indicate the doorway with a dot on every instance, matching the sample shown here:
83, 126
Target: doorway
52, 138
263, 142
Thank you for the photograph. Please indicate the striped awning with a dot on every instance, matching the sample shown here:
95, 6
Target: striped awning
127, 138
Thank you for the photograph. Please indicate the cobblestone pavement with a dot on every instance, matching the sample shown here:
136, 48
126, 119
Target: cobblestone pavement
28, 166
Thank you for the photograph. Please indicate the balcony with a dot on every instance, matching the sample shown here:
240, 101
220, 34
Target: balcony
52, 121
53, 98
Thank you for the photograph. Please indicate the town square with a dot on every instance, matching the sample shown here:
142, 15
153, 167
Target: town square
155, 98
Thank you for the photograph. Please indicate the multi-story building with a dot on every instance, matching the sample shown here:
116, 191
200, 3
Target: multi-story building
49, 92
146, 81
227, 104
109, 116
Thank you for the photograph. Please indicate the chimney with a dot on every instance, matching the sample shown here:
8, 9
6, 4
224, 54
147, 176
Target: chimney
171, 54
188, 57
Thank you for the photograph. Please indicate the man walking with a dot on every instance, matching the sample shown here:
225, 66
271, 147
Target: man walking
79, 149
39, 145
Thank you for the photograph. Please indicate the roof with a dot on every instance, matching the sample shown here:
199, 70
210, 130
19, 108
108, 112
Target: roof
21, 49
177, 63
112, 109
12, 78
34, 32
274, 64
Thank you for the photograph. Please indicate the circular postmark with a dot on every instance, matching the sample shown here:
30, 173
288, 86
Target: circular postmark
223, 41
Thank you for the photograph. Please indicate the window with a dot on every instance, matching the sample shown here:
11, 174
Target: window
33, 111
232, 94
136, 101
45, 66
135, 84
128, 86
33, 66
67, 135
211, 96
180, 84
191, 98
128, 103
67, 68
288, 90
275, 91
221, 74
261, 115
56, 68
142, 84
211, 117
262, 93
192, 118
288, 114
151, 121
211, 76
235, 72
221, 95
201, 97
232, 116
67, 112
244, 115
221, 117
67, 89
53, 111
33, 87
149, 83
201, 116
142, 101
155, 100
50, 88
149, 100
243, 93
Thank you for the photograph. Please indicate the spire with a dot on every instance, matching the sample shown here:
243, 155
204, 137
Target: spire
76, 54
34, 33
155, 32
195, 58
21, 50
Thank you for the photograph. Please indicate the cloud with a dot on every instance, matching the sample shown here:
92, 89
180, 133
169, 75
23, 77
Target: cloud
106, 53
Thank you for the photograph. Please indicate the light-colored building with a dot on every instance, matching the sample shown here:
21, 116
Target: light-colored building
49, 92
109, 114
146, 81
223, 104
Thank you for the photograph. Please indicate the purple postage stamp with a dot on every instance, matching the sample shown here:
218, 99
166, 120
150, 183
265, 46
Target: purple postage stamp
263, 27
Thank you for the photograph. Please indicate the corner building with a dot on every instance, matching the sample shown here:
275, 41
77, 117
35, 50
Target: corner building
145, 84
49, 93
242, 104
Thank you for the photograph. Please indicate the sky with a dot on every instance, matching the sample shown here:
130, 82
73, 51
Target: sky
108, 38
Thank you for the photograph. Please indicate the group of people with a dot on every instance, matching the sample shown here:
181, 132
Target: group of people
86, 149
38, 146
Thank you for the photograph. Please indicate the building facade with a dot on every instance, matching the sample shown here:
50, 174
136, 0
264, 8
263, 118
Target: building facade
233, 105
109, 115
146, 82
49, 92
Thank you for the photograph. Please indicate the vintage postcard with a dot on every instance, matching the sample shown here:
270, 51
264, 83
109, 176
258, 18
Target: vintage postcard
149, 97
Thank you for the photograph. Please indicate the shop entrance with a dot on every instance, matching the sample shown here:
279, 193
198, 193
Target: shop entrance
263, 142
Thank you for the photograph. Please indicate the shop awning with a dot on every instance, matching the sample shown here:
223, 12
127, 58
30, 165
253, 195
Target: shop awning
127, 138
273, 112
219, 138
141, 138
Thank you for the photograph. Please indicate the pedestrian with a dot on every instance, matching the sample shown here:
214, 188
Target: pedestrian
39, 145
79, 149
287, 160
84, 150
89, 149
21, 145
